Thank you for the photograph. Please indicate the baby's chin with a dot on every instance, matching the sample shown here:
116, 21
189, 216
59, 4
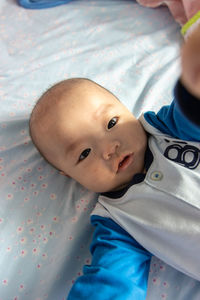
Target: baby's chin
120, 187
124, 185
108, 190
115, 187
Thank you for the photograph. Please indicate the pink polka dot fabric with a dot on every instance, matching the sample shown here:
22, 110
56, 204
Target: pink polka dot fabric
45, 231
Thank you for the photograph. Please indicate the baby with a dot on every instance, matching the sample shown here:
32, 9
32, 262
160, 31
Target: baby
87, 133
147, 171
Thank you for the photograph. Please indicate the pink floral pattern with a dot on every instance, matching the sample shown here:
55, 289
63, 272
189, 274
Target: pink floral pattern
44, 217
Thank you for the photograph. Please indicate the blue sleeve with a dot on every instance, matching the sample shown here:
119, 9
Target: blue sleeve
119, 268
180, 119
39, 4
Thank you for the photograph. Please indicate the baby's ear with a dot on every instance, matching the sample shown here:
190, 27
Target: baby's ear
62, 173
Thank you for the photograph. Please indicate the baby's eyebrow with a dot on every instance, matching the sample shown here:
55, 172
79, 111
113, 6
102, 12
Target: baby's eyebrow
72, 146
102, 111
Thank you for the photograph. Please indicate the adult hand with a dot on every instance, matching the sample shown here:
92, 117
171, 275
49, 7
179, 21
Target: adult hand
190, 59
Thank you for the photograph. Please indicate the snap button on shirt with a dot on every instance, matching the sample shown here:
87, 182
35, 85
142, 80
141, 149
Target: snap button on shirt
156, 176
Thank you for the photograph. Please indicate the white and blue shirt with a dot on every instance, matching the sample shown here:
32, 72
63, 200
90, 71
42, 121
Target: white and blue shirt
158, 213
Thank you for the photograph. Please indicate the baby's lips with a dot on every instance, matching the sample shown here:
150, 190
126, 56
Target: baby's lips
124, 162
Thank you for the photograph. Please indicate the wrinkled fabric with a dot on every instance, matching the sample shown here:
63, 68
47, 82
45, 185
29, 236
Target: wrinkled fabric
181, 10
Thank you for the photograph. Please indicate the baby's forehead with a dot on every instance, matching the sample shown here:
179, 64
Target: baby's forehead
67, 99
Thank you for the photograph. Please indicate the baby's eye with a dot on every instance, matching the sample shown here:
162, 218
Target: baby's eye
112, 122
84, 154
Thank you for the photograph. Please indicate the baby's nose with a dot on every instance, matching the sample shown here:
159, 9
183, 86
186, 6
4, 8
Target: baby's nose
110, 149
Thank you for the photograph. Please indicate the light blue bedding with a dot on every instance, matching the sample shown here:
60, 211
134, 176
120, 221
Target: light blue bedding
44, 217
39, 4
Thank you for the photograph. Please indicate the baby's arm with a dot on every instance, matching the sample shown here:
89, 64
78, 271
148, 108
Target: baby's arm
190, 59
119, 268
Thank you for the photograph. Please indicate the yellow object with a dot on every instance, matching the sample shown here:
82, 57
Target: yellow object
189, 24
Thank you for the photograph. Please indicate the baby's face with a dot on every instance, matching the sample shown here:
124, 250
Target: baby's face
94, 139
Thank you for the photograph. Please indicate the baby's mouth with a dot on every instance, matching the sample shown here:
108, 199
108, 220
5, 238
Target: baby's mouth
125, 162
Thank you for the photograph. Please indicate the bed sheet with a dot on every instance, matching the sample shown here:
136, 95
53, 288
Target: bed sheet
44, 217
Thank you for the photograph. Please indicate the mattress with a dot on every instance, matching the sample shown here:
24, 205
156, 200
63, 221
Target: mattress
45, 230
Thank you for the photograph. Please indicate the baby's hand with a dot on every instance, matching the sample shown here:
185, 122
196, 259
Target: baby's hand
190, 56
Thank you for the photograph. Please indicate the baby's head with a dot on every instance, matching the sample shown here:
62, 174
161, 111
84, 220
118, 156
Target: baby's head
87, 133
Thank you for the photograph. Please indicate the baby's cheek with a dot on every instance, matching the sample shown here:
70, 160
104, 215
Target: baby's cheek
97, 174
96, 170
99, 179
